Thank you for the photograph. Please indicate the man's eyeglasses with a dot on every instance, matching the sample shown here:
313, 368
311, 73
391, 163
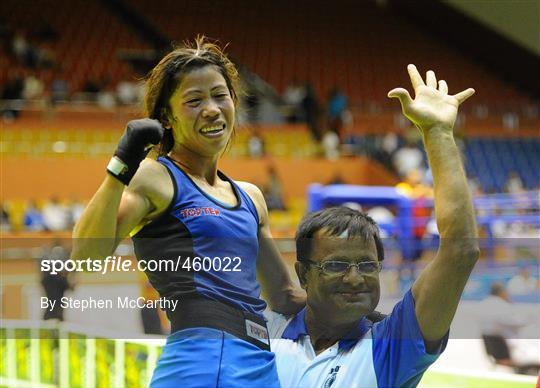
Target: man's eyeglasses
332, 267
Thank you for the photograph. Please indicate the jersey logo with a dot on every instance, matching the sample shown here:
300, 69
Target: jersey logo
331, 377
254, 330
199, 211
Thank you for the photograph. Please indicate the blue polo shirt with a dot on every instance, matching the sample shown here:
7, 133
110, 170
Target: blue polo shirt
389, 353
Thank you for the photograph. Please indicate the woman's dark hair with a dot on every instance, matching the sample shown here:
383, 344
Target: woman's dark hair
164, 79
335, 221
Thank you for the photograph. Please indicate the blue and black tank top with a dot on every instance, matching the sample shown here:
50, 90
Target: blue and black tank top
213, 245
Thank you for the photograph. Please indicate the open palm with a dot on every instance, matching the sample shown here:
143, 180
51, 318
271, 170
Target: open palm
431, 106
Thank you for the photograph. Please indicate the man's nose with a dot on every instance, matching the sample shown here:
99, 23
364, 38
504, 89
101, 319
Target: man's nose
353, 276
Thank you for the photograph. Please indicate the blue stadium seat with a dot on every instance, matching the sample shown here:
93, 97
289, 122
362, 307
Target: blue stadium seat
492, 160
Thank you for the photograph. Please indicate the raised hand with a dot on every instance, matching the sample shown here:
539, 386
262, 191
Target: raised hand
133, 147
432, 106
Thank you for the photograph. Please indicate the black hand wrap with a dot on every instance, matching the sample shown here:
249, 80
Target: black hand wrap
133, 147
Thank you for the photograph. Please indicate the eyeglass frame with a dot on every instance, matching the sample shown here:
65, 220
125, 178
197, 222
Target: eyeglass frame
320, 266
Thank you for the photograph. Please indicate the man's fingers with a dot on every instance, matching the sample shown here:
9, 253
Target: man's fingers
431, 81
462, 96
402, 94
416, 78
443, 86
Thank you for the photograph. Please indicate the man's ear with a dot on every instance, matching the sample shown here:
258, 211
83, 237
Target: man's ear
301, 272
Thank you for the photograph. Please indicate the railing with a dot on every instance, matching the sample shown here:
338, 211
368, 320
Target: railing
52, 354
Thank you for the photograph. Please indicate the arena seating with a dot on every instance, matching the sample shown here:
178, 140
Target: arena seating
331, 44
492, 160
89, 37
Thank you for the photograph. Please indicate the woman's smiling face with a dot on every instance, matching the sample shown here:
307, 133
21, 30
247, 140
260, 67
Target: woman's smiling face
202, 112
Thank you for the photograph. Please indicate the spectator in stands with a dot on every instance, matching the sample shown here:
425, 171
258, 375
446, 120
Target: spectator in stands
273, 190
14, 86
59, 88
431, 230
12, 90
20, 47
413, 185
389, 144
255, 144
514, 184
312, 111
336, 107
31, 55
293, 96
94, 87
498, 316
330, 144
33, 88
510, 120
56, 215
45, 56
55, 285
91, 86
350, 142
252, 102
106, 99
348, 138
522, 283
384, 219
33, 219
5, 224
474, 186
126, 92
420, 194
381, 148
408, 158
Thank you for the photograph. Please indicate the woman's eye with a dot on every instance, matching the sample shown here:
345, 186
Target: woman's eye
194, 101
222, 95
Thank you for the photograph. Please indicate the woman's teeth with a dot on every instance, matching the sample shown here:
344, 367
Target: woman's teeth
212, 129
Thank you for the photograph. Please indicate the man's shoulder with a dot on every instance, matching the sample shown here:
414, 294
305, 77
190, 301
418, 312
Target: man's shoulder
403, 313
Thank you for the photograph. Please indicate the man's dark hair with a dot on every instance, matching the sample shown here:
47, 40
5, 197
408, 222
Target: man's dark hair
335, 221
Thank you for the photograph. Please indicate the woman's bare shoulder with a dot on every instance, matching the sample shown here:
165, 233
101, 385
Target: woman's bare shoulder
153, 181
257, 197
252, 190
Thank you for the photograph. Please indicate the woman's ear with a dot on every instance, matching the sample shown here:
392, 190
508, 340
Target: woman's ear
164, 119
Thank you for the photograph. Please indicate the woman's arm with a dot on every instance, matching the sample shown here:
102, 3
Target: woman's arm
280, 291
115, 210
127, 195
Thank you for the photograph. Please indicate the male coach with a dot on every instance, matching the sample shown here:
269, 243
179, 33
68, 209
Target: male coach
331, 343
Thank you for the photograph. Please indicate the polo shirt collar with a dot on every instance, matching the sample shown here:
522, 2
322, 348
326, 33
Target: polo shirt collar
297, 328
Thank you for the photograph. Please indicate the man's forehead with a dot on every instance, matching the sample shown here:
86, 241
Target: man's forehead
324, 240
326, 234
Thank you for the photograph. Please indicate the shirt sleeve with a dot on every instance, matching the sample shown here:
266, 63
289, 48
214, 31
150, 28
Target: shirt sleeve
275, 323
399, 354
